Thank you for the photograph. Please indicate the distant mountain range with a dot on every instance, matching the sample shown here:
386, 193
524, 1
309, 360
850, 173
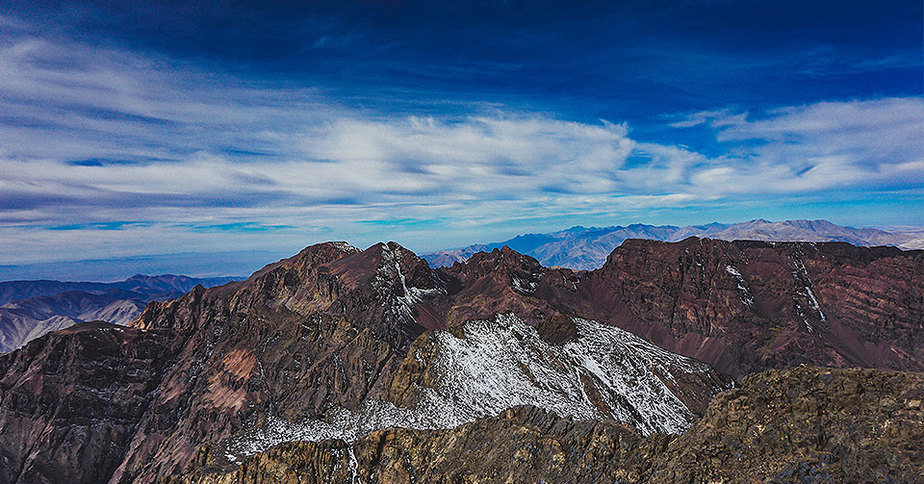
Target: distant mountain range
162, 285
30, 309
586, 248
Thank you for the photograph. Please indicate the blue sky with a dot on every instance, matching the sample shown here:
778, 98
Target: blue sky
132, 131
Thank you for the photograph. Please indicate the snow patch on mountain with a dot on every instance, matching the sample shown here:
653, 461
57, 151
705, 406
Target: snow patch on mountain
605, 373
801, 276
523, 286
401, 306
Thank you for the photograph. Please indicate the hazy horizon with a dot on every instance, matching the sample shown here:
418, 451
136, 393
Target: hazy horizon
243, 263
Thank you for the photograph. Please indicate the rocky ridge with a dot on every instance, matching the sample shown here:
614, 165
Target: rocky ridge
745, 306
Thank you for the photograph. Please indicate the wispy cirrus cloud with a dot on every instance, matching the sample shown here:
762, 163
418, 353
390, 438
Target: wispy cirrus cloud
822, 146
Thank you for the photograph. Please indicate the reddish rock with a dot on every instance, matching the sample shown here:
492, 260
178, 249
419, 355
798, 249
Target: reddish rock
746, 306
70, 401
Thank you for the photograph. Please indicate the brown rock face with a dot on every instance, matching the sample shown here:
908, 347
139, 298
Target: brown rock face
802, 425
739, 306
746, 306
323, 329
316, 331
69, 402
523, 444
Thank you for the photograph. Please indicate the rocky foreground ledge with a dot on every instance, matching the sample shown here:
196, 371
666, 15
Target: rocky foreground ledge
801, 425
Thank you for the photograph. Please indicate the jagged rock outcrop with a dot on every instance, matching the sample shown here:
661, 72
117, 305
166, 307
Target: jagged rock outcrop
522, 444
801, 425
806, 425
505, 281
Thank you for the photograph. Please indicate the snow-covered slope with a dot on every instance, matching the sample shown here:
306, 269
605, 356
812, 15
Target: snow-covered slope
488, 366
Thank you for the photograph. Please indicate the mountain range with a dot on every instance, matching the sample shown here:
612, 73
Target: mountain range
693, 361
586, 248
29, 309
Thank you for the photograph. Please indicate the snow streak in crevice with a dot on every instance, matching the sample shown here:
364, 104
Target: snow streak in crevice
746, 297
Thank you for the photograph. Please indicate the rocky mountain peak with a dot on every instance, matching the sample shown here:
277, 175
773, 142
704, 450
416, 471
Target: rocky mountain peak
311, 256
520, 272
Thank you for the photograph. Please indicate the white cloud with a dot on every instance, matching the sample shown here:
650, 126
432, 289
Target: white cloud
700, 118
161, 142
472, 157
822, 146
